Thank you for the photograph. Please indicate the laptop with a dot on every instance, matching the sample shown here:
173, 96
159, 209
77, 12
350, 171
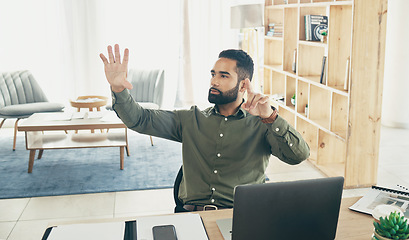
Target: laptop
306, 209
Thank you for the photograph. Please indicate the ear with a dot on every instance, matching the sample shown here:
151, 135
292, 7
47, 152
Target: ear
242, 87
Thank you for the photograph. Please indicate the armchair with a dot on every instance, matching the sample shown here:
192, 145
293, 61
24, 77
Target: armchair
21, 96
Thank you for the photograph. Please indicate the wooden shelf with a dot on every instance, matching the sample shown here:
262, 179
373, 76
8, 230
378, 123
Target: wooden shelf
273, 38
312, 43
336, 120
330, 169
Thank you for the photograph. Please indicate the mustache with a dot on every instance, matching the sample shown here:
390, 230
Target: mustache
212, 88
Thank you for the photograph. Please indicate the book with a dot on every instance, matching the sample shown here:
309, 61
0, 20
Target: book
382, 195
346, 81
323, 70
314, 26
275, 30
294, 65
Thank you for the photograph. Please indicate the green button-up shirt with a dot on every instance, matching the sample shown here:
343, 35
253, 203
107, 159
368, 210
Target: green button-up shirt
219, 152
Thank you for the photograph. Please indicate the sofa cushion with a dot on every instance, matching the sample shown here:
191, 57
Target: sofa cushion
20, 110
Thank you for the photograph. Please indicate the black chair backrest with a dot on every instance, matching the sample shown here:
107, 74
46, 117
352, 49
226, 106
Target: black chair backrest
178, 180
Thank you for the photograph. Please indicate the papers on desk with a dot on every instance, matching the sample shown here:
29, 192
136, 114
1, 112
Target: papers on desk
381, 195
188, 226
100, 231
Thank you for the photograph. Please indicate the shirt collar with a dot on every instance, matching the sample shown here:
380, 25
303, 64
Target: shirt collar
240, 112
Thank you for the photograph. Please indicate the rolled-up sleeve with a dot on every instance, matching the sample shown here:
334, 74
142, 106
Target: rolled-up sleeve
158, 123
291, 148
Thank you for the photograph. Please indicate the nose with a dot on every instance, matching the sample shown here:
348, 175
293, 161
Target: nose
214, 82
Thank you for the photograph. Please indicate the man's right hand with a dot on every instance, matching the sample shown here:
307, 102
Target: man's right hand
115, 71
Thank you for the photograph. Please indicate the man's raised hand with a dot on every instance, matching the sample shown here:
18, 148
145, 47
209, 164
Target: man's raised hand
257, 104
115, 71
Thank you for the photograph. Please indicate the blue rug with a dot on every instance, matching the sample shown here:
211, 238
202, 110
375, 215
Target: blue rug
88, 170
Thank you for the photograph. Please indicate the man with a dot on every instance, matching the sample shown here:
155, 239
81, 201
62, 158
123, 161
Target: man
223, 146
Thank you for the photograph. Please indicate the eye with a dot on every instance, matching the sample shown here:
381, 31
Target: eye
212, 74
225, 76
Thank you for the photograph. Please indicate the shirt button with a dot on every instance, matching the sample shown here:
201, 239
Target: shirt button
225, 119
221, 134
213, 189
212, 200
277, 129
215, 171
218, 155
291, 144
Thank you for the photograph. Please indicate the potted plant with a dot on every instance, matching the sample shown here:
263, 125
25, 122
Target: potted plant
394, 227
293, 100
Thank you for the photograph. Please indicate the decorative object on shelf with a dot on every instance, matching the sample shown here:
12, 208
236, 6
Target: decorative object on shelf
346, 82
324, 34
315, 25
394, 227
323, 70
306, 110
278, 97
293, 100
294, 66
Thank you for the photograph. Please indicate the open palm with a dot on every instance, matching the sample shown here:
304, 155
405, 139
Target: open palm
115, 71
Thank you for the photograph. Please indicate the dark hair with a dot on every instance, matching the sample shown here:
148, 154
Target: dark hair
244, 63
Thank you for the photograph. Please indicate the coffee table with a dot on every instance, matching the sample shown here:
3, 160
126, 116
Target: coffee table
50, 131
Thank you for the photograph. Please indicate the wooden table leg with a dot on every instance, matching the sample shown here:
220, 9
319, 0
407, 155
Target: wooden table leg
127, 146
121, 157
127, 151
40, 153
31, 161
15, 134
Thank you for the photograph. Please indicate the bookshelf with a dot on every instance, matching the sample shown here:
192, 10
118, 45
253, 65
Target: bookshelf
342, 121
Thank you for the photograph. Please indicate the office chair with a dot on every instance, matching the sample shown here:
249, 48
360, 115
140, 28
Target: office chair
176, 185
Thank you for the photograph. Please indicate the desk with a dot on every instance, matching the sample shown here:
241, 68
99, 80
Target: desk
351, 225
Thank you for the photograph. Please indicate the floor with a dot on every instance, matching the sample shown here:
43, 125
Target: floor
27, 218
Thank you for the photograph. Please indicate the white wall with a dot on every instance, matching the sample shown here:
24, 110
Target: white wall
395, 106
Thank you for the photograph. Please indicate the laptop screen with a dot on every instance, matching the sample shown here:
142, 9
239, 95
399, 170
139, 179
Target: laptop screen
306, 209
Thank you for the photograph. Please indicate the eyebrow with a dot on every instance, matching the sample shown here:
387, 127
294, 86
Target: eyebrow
221, 72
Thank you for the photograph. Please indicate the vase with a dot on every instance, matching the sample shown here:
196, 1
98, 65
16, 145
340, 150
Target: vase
376, 236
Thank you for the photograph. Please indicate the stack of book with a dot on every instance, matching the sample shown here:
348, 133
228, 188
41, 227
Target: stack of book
275, 30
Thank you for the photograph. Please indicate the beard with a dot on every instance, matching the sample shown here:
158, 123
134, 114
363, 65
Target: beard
223, 97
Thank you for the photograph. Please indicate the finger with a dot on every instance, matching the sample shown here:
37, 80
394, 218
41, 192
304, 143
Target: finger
126, 56
110, 54
127, 84
263, 100
103, 58
249, 101
248, 86
117, 54
255, 101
